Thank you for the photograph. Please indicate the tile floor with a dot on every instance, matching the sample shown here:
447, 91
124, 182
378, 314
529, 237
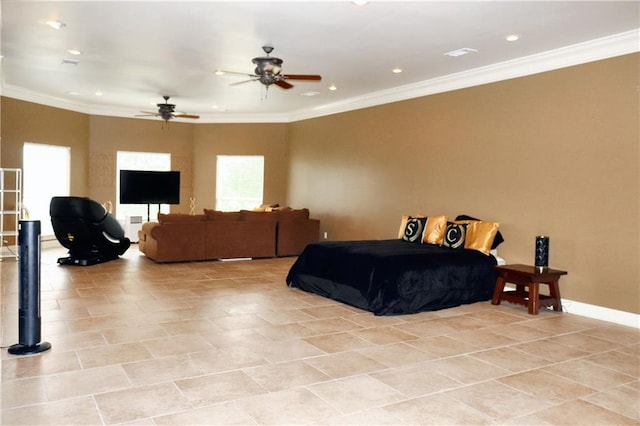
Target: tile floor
227, 343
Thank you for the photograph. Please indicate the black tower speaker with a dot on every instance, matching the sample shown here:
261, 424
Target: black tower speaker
29, 291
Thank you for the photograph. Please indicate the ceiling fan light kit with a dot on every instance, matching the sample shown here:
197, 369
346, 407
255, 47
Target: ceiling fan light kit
268, 71
166, 111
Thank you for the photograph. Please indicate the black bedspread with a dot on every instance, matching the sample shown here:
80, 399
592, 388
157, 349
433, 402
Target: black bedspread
389, 277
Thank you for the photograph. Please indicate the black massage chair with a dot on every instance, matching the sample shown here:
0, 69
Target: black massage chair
88, 230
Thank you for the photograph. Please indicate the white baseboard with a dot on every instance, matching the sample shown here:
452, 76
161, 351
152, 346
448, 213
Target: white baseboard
601, 313
597, 312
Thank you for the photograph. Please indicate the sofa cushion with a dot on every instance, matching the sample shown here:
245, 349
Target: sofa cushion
219, 215
293, 214
180, 217
258, 216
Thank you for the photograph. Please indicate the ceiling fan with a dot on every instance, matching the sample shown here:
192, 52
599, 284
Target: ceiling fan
268, 71
166, 111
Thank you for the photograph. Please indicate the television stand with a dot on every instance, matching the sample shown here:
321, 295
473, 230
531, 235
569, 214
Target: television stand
149, 211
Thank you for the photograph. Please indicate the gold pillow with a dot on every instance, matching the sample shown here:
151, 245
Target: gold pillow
434, 232
480, 235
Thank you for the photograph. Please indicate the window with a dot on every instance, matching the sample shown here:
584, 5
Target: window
127, 160
239, 181
38, 186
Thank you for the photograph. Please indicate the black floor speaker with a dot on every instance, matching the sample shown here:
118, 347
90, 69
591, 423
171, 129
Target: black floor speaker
29, 320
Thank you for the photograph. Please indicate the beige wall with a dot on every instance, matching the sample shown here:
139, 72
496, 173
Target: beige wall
29, 122
109, 135
269, 140
95, 140
555, 153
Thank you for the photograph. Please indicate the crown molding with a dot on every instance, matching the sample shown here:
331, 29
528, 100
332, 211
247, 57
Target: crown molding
212, 118
22, 94
16, 92
594, 50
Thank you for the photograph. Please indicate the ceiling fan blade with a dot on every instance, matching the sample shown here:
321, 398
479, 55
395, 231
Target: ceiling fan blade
302, 77
223, 72
187, 116
243, 81
283, 84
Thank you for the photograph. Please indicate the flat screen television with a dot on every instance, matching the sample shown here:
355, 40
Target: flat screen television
149, 187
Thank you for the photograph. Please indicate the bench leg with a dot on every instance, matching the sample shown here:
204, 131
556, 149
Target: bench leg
497, 292
534, 298
554, 291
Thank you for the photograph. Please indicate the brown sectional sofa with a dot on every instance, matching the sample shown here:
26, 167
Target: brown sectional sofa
223, 235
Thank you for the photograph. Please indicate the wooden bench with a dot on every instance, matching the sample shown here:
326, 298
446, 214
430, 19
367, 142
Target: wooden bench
528, 276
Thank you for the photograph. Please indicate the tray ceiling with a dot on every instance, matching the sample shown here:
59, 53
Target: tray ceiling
132, 53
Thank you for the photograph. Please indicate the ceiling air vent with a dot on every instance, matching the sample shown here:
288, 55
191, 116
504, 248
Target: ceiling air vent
460, 52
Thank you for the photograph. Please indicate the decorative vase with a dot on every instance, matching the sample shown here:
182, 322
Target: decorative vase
542, 252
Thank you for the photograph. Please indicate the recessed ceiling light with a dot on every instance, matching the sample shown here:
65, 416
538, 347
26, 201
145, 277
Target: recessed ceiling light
460, 52
219, 72
396, 70
360, 2
512, 37
214, 106
311, 93
74, 52
67, 61
98, 93
333, 87
73, 93
56, 24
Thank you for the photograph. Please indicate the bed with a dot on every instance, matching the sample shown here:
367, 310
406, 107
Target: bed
393, 277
